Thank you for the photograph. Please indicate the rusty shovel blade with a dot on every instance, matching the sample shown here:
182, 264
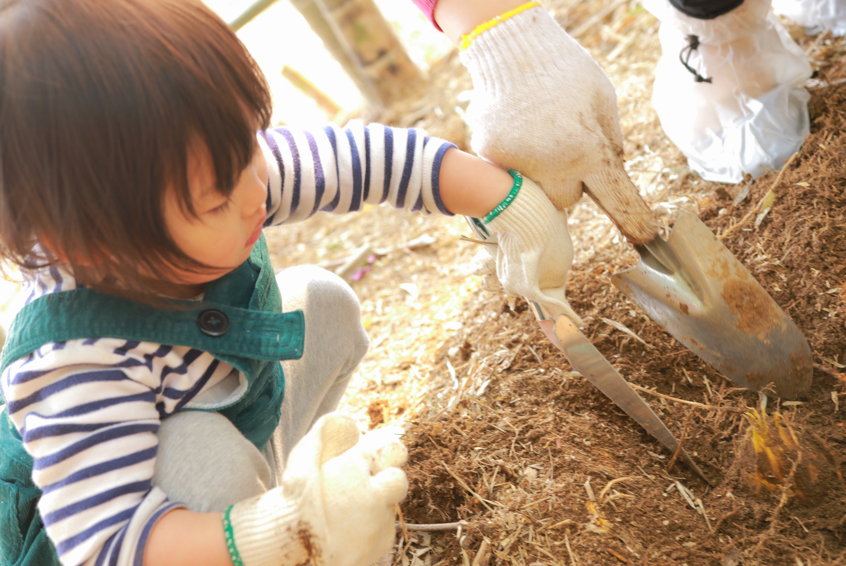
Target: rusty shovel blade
694, 287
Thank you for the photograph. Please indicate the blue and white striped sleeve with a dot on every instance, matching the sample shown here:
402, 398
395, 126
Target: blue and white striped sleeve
340, 170
91, 431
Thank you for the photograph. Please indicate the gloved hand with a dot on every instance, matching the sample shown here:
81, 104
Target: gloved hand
534, 251
542, 106
483, 264
335, 505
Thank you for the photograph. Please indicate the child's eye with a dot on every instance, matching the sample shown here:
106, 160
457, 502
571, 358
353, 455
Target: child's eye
222, 208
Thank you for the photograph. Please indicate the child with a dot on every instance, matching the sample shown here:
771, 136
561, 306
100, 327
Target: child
144, 420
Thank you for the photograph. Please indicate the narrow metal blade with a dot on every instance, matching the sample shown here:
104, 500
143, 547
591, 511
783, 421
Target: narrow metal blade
589, 362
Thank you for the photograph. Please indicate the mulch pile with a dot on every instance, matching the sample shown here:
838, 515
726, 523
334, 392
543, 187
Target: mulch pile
517, 459
541, 468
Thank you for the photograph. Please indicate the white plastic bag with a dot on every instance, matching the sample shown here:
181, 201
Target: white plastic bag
751, 117
743, 21
816, 15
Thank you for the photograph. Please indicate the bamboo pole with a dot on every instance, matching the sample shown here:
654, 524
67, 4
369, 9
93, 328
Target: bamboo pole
328, 32
372, 42
251, 13
360, 38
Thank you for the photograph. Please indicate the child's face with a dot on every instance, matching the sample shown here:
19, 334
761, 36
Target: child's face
225, 229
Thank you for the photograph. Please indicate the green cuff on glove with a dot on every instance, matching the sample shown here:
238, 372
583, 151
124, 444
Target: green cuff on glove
234, 555
515, 190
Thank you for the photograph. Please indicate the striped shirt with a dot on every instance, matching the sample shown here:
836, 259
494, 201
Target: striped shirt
88, 410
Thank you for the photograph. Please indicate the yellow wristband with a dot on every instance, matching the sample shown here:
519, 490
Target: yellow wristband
482, 28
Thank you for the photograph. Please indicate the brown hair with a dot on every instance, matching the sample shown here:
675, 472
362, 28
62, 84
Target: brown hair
99, 103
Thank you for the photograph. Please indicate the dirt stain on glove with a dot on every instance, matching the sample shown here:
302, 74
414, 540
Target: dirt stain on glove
310, 544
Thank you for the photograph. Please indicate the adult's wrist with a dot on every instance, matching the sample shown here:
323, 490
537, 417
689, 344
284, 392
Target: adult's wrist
460, 17
524, 45
428, 9
467, 39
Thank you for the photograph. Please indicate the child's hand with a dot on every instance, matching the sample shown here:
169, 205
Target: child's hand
543, 107
335, 506
361, 489
534, 251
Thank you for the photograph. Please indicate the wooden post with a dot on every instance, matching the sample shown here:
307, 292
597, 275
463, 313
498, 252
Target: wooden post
362, 40
328, 33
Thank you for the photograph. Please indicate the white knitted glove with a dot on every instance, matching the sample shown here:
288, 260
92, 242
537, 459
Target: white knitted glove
534, 250
335, 505
543, 107
483, 264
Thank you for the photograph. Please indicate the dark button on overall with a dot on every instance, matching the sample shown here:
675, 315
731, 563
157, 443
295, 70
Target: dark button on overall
213, 322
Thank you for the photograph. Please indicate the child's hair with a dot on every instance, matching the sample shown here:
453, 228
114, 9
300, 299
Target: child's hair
100, 101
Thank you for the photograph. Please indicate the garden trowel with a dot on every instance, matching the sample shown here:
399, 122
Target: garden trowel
589, 362
694, 287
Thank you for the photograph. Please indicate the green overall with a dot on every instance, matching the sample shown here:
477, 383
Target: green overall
239, 322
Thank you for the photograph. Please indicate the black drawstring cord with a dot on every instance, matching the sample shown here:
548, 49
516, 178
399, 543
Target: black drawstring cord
692, 44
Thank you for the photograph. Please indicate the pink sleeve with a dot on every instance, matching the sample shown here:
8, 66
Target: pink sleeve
428, 8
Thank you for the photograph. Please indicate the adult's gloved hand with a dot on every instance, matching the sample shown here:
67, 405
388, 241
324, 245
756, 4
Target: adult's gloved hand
335, 505
542, 106
534, 250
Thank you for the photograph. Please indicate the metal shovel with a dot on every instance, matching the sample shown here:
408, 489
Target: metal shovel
694, 287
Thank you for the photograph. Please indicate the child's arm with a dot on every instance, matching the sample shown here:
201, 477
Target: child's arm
91, 431
88, 414
335, 505
470, 185
534, 249
339, 170
186, 538
342, 170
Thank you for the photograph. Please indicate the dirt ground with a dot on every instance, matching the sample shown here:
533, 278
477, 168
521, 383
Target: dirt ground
536, 464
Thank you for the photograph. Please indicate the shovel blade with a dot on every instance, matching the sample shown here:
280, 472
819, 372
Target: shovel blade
694, 287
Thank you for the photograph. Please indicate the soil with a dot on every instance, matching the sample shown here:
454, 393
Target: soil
537, 464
